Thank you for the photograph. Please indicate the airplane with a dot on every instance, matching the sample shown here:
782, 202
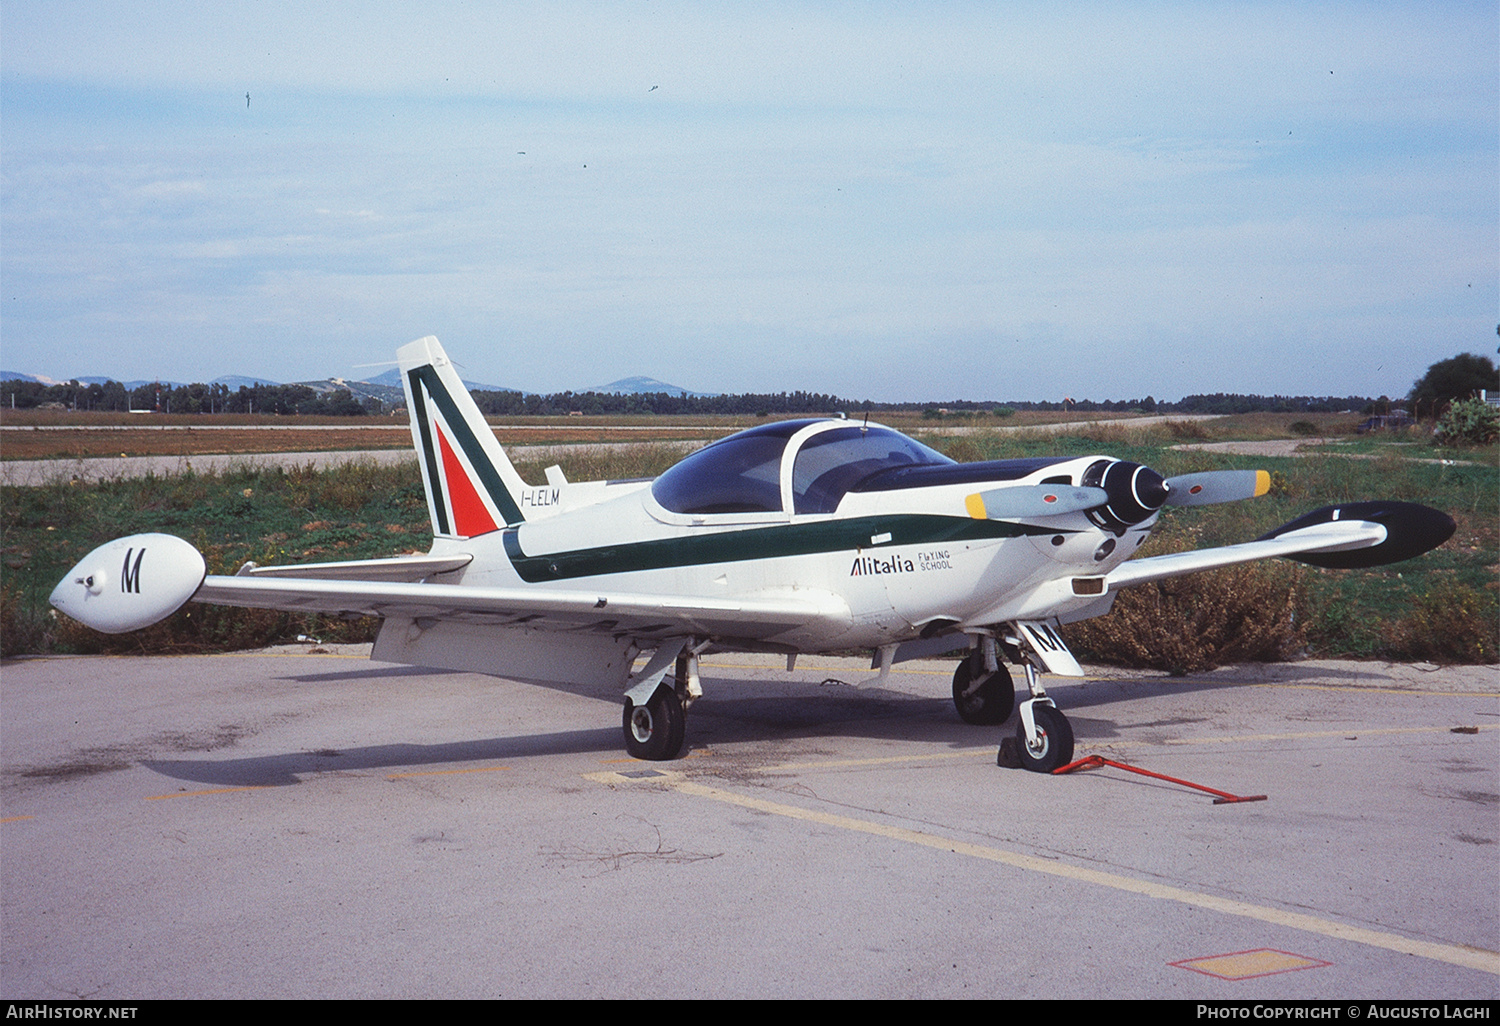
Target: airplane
799, 536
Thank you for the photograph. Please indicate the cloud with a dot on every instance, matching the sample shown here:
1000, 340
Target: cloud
865, 199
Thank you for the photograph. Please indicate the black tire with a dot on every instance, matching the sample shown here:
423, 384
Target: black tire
1054, 744
989, 705
655, 731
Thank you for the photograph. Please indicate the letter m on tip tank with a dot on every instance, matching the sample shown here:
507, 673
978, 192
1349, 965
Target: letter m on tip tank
130, 576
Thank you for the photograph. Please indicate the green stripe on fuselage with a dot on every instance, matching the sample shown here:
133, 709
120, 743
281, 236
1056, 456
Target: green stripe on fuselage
759, 543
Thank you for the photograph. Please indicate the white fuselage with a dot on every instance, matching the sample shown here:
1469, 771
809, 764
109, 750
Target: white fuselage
900, 559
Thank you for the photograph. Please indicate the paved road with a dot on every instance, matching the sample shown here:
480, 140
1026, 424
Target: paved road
40, 472
1301, 447
288, 824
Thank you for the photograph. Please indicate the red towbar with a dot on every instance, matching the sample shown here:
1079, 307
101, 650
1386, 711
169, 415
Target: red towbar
1095, 761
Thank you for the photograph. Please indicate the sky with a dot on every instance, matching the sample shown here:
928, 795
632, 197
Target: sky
888, 201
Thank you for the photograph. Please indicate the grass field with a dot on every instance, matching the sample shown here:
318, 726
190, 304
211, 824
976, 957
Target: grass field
1441, 606
55, 434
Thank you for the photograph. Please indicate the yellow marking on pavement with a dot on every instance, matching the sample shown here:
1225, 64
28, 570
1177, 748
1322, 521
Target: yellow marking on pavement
283, 655
887, 760
445, 773
1347, 732
988, 751
15, 819
1363, 689
195, 794
1246, 965
696, 753
1453, 954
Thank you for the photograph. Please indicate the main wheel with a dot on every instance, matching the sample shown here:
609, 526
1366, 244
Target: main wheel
1054, 741
656, 730
988, 704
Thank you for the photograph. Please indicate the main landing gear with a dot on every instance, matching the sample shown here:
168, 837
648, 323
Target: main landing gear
982, 690
656, 727
656, 730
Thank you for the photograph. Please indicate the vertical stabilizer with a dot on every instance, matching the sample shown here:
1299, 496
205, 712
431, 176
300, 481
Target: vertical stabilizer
471, 487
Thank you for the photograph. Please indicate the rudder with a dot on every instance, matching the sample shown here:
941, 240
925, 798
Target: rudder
472, 488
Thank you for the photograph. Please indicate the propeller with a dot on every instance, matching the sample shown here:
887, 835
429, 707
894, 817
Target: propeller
1033, 501
1211, 486
1117, 494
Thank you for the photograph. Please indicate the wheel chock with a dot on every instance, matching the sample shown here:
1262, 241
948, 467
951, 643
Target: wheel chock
1095, 761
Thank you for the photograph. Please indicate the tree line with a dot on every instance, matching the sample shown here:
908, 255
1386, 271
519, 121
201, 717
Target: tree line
113, 397
1456, 378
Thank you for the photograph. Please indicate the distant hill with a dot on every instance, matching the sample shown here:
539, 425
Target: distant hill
645, 386
237, 381
92, 379
392, 379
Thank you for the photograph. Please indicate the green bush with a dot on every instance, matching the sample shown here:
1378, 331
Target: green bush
1468, 422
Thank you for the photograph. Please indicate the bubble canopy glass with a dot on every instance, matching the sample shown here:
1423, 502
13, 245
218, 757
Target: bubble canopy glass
744, 472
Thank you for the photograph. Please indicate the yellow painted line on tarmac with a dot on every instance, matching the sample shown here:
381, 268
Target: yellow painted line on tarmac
15, 819
886, 760
196, 794
445, 773
1348, 732
278, 655
1362, 689
696, 753
988, 751
1454, 954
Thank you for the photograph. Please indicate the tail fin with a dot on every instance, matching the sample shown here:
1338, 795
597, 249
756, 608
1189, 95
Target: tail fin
471, 486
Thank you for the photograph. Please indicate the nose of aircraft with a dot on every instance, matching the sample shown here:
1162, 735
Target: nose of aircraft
1135, 492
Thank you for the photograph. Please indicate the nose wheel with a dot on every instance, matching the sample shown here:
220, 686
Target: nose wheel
1044, 737
1049, 745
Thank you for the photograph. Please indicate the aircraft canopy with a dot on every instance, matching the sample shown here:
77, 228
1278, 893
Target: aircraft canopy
747, 472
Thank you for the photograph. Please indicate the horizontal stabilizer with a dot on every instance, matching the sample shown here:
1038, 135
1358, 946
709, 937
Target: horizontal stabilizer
396, 568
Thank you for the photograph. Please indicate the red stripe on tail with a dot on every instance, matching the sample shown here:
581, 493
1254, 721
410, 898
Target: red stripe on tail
470, 516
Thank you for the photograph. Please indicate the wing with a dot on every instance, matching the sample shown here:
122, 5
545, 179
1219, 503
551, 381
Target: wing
133, 582
604, 611
1356, 534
